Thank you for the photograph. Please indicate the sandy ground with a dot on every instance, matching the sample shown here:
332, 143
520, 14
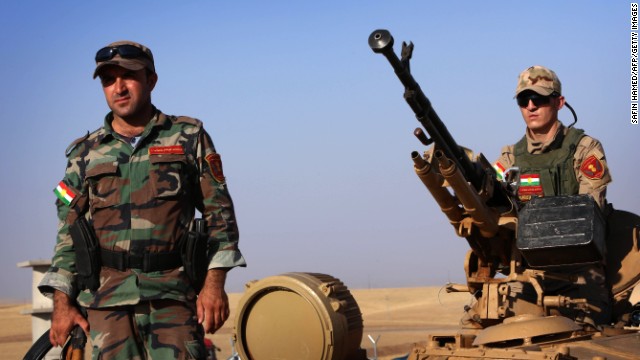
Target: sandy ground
399, 317
15, 331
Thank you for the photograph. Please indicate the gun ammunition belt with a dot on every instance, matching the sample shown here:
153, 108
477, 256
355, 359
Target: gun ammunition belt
147, 262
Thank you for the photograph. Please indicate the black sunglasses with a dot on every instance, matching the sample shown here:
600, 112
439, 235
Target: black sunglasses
537, 99
125, 51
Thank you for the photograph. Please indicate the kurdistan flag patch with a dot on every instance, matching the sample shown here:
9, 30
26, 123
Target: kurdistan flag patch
499, 170
64, 193
530, 185
529, 180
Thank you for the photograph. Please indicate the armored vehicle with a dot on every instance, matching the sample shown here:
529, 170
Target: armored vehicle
515, 249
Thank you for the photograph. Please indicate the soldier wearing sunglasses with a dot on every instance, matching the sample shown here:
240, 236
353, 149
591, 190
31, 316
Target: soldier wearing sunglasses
561, 160
554, 159
139, 179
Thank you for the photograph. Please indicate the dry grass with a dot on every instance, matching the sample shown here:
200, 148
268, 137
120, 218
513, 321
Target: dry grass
401, 317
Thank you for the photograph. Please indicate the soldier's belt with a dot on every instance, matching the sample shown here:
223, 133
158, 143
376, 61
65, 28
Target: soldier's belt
147, 262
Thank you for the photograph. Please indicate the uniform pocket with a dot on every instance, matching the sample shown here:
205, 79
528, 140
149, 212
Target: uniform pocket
104, 183
167, 174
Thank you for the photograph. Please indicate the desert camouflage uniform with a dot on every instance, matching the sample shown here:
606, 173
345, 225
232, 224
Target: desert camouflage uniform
592, 175
142, 199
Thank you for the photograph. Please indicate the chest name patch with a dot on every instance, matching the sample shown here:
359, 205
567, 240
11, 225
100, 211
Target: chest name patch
172, 149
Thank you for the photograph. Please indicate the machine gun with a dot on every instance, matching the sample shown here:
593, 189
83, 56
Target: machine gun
485, 212
480, 200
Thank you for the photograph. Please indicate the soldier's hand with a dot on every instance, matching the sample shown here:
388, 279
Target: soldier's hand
65, 316
213, 303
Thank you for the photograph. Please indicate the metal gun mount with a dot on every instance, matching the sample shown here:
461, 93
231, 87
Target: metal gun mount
481, 209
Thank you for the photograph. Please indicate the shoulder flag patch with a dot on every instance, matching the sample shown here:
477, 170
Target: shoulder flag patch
215, 165
592, 168
63, 193
499, 170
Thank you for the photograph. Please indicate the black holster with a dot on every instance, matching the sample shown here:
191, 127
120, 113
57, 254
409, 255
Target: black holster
87, 249
195, 252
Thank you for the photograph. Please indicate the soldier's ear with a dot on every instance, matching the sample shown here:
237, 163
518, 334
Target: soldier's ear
560, 102
152, 79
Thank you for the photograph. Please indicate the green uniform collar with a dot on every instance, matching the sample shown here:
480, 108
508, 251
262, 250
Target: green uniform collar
106, 132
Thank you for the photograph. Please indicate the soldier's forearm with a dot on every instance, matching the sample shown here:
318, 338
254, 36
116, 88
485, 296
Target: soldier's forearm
216, 278
61, 301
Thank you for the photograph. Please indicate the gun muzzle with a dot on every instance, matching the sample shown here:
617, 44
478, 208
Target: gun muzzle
434, 183
380, 41
483, 218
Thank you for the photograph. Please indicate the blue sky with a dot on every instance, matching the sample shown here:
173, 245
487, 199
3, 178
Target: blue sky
314, 134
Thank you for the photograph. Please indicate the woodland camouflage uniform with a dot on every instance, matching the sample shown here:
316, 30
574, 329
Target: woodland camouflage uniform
142, 199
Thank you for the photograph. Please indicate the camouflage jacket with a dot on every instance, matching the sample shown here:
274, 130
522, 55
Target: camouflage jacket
142, 199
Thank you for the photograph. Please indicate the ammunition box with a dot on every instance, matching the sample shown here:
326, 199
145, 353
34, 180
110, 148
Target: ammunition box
561, 231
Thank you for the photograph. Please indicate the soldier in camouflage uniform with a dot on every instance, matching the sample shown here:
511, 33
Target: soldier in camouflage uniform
139, 179
555, 159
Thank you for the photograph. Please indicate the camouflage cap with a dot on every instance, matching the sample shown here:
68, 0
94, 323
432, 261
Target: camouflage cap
127, 62
539, 79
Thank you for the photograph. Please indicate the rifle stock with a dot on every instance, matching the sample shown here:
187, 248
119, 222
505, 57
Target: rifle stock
72, 350
40, 348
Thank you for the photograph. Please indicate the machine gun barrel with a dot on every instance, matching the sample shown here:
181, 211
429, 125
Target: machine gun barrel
434, 183
483, 216
381, 42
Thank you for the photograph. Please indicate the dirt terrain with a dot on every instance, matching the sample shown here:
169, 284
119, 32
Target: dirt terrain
399, 317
